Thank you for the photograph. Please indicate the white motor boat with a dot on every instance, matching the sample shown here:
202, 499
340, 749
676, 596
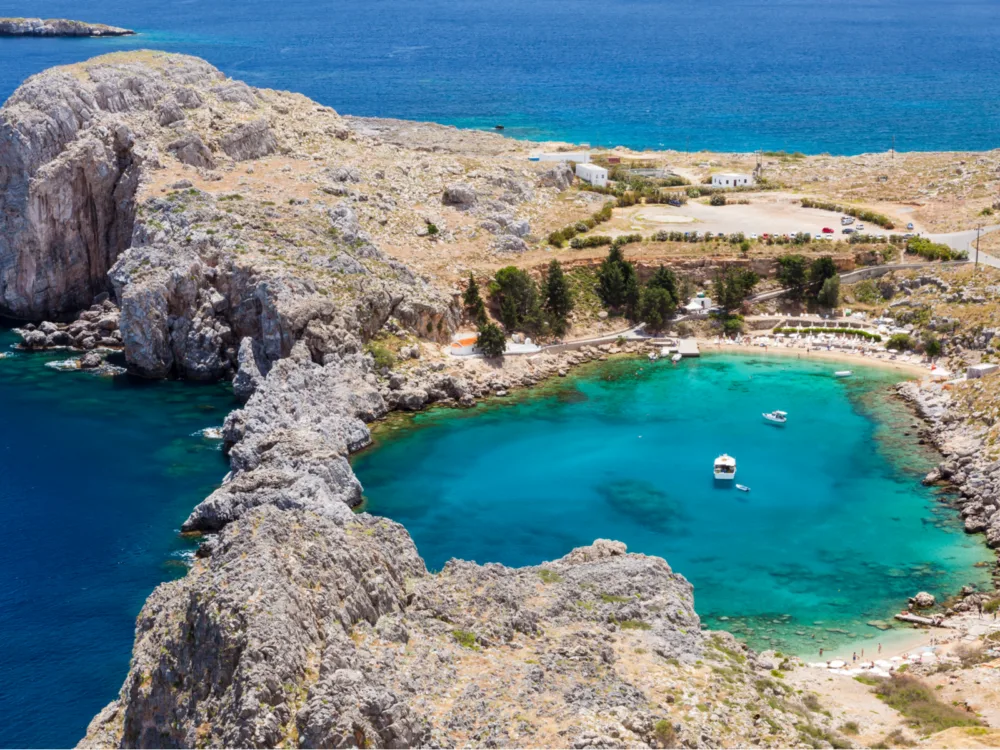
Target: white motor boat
676, 358
653, 357
665, 351
742, 488
842, 374
725, 467
776, 417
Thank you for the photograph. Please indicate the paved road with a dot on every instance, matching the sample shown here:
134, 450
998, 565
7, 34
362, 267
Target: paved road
967, 241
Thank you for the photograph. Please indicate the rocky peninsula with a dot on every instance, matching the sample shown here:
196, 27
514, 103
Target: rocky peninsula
57, 27
211, 230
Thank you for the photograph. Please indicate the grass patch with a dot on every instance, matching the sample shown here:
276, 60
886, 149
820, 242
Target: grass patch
850, 727
921, 707
611, 599
466, 639
549, 576
815, 737
382, 355
634, 625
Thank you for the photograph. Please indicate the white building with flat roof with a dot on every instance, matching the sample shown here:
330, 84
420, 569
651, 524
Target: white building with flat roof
731, 179
580, 157
979, 371
595, 175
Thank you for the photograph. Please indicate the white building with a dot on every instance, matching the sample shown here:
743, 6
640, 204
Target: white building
978, 371
595, 175
731, 179
580, 157
700, 305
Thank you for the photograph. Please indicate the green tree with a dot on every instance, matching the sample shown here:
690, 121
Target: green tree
664, 278
617, 285
732, 286
793, 275
822, 269
932, 346
491, 342
558, 299
718, 200
656, 305
516, 294
475, 308
829, 293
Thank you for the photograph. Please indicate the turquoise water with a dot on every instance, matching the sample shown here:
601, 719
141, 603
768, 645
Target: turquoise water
836, 531
96, 476
843, 77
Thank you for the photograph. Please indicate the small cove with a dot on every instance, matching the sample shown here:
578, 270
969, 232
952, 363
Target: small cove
97, 475
836, 532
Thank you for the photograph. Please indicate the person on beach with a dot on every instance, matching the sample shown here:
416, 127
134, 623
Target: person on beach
862, 653
821, 653
880, 648
855, 657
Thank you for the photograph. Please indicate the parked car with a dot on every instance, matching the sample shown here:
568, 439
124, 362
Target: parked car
848, 230
909, 226
753, 236
861, 227
674, 202
827, 230
847, 220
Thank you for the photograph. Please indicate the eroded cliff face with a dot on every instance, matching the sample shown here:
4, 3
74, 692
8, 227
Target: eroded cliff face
257, 235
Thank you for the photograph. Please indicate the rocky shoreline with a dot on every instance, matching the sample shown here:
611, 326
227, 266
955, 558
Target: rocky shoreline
967, 468
57, 27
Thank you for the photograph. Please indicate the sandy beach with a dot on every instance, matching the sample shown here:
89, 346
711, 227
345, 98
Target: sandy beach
910, 368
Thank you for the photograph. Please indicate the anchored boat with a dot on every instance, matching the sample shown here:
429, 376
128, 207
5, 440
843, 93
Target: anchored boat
776, 417
725, 467
842, 374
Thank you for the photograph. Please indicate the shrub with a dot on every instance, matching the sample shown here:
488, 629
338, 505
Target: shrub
492, 341
867, 293
861, 213
932, 346
821, 270
666, 736
933, 250
848, 331
634, 625
850, 727
900, 342
594, 241
383, 356
986, 211
921, 706
549, 576
566, 234
466, 639
717, 200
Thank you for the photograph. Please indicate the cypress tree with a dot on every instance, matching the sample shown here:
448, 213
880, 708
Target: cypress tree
475, 308
558, 300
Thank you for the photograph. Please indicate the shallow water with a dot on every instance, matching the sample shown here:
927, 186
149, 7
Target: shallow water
843, 77
836, 531
96, 476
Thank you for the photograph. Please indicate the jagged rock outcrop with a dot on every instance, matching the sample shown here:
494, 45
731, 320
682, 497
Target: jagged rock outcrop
296, 628
57, 27
69, 171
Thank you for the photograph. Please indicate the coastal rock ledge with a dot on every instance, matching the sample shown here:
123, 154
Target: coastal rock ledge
57, 27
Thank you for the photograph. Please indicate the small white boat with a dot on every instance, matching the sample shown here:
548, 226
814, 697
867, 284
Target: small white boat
676, 358
665, 351
776, 417
653, 357
724, 467
742, 488
842, 374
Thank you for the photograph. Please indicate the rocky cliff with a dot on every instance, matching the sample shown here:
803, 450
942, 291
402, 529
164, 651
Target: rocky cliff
57, 27
216, 230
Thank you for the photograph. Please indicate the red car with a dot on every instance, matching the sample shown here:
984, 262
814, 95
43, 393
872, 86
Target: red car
827, 230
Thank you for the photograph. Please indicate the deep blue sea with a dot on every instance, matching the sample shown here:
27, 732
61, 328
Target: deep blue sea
733, 75
96, 476
836, 531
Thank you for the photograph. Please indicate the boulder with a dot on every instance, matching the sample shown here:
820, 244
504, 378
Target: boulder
559, 177
922, 600
459, 195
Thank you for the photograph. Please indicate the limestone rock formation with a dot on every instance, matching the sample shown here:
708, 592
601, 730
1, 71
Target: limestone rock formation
57, 27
